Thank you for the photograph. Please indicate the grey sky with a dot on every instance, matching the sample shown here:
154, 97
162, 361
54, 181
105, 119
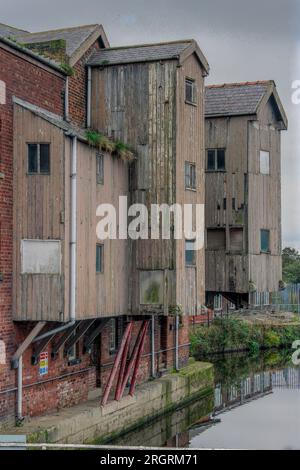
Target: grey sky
243, 40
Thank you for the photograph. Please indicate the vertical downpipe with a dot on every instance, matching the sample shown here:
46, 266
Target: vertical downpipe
153, 373
73, 240
89, 97
20, 390
176, 342
67, 117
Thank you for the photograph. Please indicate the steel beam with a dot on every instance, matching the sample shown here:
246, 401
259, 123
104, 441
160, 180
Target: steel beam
138, 360
62, 340
83, 326
116, 365
95, 332
39, 348
28, 340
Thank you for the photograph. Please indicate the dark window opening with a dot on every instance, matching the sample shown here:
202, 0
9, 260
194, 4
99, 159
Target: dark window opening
190, 253
190, 91
100, 168
265, 241
233, 203
216, 159
224, 204
113, 336
99, 258
216, 239
39, 159
190, 175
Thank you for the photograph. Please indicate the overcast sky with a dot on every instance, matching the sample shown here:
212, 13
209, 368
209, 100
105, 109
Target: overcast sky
243, 40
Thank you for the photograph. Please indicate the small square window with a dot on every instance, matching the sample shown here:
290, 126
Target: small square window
216, 159
190, 175
100, 168
39, 159
99, 258
265, 241
264, 162
190, 253
190, 91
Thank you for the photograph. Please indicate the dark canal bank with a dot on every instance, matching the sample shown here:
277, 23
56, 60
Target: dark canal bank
256, 405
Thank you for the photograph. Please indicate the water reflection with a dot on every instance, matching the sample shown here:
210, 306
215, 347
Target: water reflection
256, 404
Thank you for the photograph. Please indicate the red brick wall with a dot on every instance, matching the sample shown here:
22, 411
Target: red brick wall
78, 89
63, 385
40, 87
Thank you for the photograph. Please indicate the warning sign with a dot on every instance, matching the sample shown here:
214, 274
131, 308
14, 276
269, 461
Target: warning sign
43, 363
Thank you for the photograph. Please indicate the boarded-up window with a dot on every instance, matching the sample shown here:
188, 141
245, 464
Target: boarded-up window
190, 175
190, 253
151, 287
190, 91
236, 239
216, 239
264, 161
41, 256
265, 241
216, 159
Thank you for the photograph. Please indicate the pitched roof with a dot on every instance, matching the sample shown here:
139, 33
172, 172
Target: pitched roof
52, 118
10, 31
77, 39
233, 99
147, 53
32, 54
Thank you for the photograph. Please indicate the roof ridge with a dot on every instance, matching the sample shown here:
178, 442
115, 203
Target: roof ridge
150, 44
237, 84
65, 29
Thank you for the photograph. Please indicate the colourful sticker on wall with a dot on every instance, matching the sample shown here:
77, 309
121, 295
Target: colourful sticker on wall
43, 368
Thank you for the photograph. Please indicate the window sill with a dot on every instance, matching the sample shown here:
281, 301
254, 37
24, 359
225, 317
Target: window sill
215, 171
190, 265
262, 252
191, 189
191, 103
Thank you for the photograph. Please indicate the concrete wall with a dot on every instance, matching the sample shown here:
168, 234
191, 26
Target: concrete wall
93, 423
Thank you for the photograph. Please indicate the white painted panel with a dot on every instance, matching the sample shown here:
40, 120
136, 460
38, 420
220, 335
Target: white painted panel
264, 162
2, 92
41, 256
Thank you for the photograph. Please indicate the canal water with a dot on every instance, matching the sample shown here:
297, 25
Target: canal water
255, 405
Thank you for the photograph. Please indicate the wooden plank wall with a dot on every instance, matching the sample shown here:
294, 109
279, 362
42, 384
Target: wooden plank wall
38, 203
190, 147
265, 201
100, 294
227, 272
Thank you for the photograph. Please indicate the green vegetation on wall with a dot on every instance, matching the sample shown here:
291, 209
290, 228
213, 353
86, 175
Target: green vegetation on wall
232, 334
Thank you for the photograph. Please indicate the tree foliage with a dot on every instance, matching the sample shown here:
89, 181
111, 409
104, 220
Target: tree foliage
291, 265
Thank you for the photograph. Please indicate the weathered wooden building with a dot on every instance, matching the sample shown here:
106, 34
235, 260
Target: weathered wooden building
243, 191
74, 295
151, 97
